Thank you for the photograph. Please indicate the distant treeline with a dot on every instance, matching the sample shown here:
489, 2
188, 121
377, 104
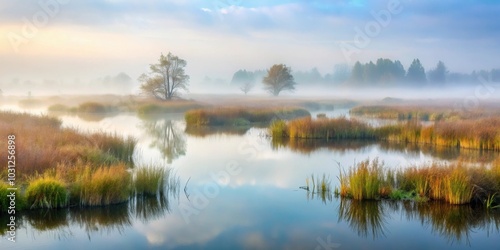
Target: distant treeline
383, 72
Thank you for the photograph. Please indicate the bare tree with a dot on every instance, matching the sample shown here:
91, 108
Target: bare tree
247, 86
279, 78
165, 78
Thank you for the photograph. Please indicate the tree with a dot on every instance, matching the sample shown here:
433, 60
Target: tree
165, 78
357, 73
247, 86
279, 78
438, 74
416, 72
242, 76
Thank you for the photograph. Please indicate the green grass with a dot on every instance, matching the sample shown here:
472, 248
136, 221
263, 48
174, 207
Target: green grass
458, 186
482, 134
46, 192
364, 180
102, 186
490, 201
150, 180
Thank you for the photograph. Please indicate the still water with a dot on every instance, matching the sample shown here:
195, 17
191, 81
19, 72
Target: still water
238, 190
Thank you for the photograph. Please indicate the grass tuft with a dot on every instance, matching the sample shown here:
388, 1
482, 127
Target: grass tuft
46, 192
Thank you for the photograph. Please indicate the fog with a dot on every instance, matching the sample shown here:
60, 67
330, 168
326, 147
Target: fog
102, 47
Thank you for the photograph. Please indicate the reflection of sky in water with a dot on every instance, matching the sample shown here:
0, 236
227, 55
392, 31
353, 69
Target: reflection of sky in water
261, 207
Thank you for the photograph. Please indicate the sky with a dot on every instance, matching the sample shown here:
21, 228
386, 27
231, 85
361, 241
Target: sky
70, 39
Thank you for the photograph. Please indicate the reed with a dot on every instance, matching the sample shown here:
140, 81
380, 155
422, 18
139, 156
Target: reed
46, 192
234, 116
45, 144
103, 186
364, 180
150, 180
458, 186
338, 128
95, 107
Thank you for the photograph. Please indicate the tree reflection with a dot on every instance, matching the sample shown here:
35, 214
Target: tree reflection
167, 137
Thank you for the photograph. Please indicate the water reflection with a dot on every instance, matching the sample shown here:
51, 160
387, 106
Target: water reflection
167, 137
307, 146
454, 223
364, 217
102, 219
215, 130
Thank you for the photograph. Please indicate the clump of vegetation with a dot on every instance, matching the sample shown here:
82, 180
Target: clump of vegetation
150, 180
166, 107
46, 192
320, 187
238, 116
458, 186
78, 169
95, 107
336, 128
58, 108
48, 144
471, 134
454, 183
103, 186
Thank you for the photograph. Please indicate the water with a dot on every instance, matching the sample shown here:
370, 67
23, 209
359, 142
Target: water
242, 192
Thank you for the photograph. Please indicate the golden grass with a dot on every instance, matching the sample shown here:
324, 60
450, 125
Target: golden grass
46, 192
307, 128
240, 116
103, 186
454, 183
44, 144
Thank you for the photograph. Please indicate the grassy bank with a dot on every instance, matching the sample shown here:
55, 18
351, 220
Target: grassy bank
482, 134
57, 167
240, 116
307, 128
453, 183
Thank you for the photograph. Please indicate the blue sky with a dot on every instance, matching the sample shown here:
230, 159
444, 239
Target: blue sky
92, 38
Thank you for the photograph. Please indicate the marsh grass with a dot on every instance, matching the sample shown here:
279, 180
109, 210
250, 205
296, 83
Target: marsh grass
453, 183
482, 134
240, 116
336, 128
320, 187
103, 186
150, 180
95, 107
45, 144
166, 107
46, 192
